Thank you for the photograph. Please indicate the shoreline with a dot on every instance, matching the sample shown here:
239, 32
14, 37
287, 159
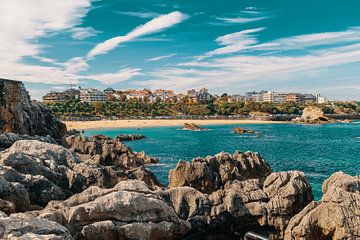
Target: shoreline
144, 123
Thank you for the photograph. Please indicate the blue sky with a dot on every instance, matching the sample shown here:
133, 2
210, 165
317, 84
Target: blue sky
227, 46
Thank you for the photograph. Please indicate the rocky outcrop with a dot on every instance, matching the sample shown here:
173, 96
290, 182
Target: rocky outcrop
43, 172
215, 172
239, 130
129, 137
192, 127
336, 216
236, 193
130, 210
312, 115
8, 139
25, 226
18, 114
106, 151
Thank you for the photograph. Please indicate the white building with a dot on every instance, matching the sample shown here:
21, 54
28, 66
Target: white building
92, 95
274, 97
320, 99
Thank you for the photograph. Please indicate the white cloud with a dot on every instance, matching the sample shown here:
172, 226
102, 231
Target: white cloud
122, 75
139, 14
241, 20
159, 58
156, 25
80, 33
234, 42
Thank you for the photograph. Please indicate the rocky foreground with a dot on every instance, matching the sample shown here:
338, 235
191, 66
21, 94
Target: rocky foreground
56, 185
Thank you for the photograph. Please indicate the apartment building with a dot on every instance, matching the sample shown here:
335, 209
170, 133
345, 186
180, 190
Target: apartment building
295, 97
92, 95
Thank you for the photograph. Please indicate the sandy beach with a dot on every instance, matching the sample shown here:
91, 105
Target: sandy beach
141, 123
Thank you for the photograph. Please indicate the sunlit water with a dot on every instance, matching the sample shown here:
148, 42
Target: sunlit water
317, 150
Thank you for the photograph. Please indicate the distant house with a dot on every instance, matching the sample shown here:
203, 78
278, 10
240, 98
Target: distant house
109, 91
203, 96
55, 97
92, 95
274, 97
309, 98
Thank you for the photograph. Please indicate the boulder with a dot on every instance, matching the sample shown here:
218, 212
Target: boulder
215, 172
130, 210
335, 216
8, 139
26, 227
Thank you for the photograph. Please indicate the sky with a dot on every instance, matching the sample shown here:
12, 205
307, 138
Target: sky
231, 46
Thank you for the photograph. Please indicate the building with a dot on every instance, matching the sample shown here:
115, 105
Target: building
72, 92
55, 97
295, 97
274, 97
320, 99
109, 91
203, 96
92, 95
255, 96
309, 98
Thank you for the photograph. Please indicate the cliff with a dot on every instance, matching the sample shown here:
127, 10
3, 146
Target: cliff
18, 114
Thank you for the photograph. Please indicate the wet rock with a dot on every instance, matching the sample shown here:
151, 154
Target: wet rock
335, 216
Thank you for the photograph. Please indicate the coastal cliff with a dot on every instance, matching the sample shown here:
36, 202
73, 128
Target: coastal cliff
58, 185
18, 114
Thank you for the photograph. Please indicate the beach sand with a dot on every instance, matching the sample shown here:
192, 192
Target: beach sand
141, 123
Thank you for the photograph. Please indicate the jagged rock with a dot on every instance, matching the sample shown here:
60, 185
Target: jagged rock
26, 227
18, 114
193, 127
105, 151
130, 210
236, 193
336, 216
8, 139
213, 173
129, 137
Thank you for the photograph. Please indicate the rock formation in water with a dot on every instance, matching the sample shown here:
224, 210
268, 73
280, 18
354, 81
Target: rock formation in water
239, 130
18, 114
312, 115
236, 193
129, 137
192, 127
336, 216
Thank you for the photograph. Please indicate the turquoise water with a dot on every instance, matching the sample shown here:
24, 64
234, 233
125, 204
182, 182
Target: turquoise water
317, 150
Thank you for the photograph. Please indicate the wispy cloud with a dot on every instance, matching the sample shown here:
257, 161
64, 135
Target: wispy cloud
159, 58
80, 33
241, 20
122, 75
234, 42
139, 14
244, 67
156, 25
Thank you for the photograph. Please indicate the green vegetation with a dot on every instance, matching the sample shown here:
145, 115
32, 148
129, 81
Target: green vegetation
221, 106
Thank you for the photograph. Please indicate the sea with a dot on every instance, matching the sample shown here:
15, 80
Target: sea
317, 150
